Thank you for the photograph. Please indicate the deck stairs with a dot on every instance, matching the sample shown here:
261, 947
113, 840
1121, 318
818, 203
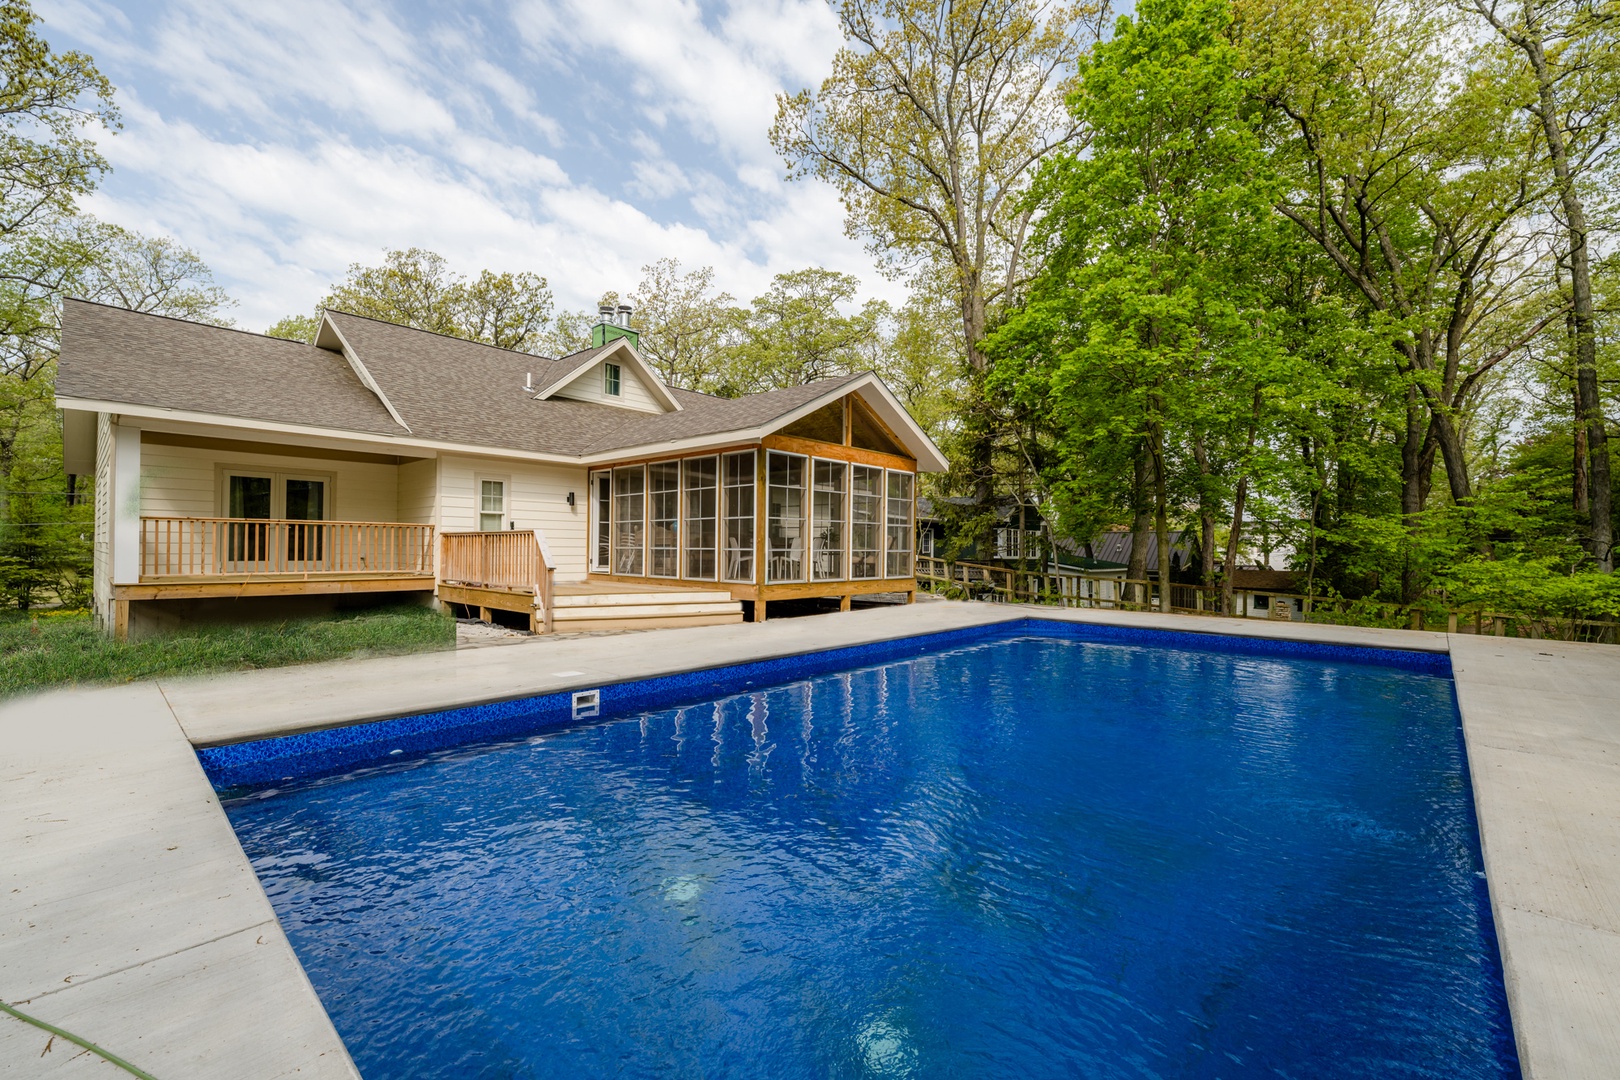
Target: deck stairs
582, 606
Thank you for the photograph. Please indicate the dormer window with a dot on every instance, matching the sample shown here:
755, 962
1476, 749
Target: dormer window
610, 380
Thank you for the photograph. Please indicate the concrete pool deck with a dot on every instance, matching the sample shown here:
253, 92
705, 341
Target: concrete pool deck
130, 916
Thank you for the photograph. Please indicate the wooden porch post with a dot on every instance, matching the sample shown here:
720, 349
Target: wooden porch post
843, 602
761, 493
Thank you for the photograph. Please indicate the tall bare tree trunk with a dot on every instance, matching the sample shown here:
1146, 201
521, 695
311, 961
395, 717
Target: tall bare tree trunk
1206, 516
1141, 522
1588, 405
1161, 522
1233, 540
1412, 486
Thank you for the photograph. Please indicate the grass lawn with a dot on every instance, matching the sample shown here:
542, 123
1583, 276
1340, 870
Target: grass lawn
58, 650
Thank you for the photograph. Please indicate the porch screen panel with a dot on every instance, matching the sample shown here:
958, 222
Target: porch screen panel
899, 546
866, 521
702, 509
664, 496
602, 521
629, 509
738, 483
827, 520
784, 523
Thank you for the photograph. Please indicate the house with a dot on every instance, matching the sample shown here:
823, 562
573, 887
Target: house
235, 471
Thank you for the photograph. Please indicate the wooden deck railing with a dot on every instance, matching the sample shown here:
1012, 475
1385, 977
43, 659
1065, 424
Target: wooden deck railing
201, 547
515, 560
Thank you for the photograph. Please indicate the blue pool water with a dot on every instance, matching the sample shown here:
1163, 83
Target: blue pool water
1027, 857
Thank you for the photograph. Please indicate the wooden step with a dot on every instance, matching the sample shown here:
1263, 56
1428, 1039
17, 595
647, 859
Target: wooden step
608, 620
633, 599
644, 611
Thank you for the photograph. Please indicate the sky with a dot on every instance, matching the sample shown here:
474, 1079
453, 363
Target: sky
283, 140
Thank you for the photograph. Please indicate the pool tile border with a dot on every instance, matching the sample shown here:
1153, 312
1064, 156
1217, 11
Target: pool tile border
336, 750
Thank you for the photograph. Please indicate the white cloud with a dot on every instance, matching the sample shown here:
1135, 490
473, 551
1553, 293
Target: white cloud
284, 141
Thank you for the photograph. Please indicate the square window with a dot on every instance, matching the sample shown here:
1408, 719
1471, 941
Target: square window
491, 505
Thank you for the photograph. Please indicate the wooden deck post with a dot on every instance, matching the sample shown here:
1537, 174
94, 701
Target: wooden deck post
843, 602
120, 626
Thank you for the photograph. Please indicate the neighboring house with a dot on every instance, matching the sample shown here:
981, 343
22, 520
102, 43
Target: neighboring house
1255, 592
232, 467
1020, 537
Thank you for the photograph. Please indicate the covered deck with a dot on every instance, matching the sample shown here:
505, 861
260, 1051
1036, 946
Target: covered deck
197, 558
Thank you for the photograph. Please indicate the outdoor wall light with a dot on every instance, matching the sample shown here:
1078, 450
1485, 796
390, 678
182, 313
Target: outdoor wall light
570, 498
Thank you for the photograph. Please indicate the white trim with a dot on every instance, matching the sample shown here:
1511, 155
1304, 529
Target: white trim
478, 500
655, 385
594, 521
126, 505
361, 372
278, 477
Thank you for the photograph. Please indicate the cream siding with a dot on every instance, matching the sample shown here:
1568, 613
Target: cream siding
536, 498
633, 393
184, 481
418, 491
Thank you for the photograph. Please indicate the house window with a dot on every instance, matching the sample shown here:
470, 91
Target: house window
629, 508
827, 520
280, 497
1261, 603
610, 380
925, 544
491, 505
664, 496
702, 506
602, 522
738, 474
784, 507
866, 521
899, 548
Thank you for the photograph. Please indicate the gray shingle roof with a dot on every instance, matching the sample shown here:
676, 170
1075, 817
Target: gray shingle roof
109, 354
446, 389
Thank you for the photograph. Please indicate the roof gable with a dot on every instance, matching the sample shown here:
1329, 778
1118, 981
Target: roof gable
582, 381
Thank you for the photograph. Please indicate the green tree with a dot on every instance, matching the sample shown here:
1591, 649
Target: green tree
1572, 51
1407, 170
1149, 336
931, 126
416, 287
687, 328
797, 332
48, 103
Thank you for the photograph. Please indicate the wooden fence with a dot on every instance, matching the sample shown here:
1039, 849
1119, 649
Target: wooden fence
194, 547
1068, 589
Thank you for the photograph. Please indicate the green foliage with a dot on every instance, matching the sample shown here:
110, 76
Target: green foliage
416, 287
48, 103
687, 327
295, 328
64, 649
797, 332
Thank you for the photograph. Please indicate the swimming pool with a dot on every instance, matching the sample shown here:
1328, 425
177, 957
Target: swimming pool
1026, 854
